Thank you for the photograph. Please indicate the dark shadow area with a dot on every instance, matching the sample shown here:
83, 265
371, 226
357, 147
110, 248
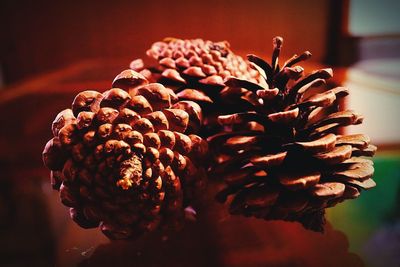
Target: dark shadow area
218, 239
25, 228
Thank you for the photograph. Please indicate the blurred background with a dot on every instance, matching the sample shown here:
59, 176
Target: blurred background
50, 50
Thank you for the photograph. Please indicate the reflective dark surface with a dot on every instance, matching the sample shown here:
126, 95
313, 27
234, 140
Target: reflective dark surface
36, 231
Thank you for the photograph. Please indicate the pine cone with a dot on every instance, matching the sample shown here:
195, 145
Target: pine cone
281, 156
196, 70
126, 161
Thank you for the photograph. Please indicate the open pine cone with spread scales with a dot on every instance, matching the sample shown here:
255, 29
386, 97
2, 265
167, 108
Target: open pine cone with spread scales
280, 154
196, 70
127, 160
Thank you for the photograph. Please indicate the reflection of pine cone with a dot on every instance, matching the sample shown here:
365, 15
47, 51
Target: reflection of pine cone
126, 161
196, 70
281, 158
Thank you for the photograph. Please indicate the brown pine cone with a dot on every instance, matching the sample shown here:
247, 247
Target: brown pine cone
196, 70
281, 157
127, 162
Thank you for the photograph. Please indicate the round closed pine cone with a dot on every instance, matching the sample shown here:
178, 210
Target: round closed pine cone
280, 154
196, 70
127, 160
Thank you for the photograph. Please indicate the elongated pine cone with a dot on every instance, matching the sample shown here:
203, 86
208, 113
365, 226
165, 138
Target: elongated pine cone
196, 70
280, 154
127, 160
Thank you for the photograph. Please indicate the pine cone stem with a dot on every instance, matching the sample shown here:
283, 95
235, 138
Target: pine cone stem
277, 44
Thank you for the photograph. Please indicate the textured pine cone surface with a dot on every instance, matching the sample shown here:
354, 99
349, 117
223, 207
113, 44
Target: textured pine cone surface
127, 160
196, 70
280, 154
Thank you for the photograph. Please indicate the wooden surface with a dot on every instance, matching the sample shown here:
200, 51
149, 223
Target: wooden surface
36, 231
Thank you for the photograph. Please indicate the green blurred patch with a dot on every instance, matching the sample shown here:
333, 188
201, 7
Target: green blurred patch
360, 218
